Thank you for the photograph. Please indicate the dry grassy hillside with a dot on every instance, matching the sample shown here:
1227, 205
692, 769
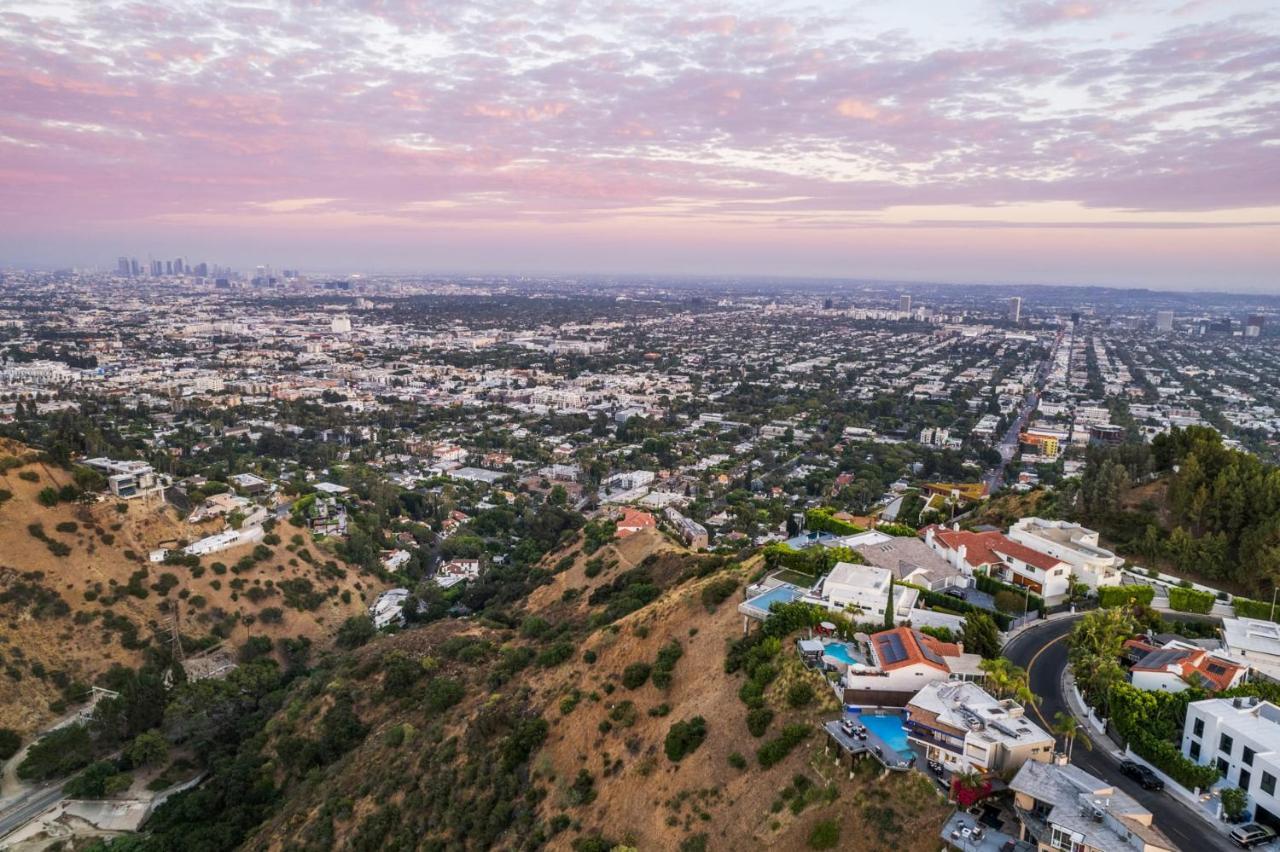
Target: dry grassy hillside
67, 618
426, 772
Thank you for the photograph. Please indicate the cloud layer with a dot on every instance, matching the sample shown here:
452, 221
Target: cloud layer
564, 118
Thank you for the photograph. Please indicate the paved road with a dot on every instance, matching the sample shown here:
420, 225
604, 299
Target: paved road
29, 806
1042, 651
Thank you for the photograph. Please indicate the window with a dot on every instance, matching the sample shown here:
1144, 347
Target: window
1195, 751
1225, 744
1198, 728
1222, 766
1246, 757
1268, 784
1245, 778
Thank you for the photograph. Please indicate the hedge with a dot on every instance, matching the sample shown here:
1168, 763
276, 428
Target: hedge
1191, 600
1165, 756
1247, 608
1111, 596
821, 520
992, 586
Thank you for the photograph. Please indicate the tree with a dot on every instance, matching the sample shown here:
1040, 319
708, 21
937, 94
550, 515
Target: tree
888, 607
1068, 727
980, 635
149, 748
1234, 802
1005, 680
355, 631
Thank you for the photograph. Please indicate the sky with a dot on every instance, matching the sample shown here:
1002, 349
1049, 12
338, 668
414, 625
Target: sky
1126, 143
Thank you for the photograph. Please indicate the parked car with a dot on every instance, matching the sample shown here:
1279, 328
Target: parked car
1253, 834
955, 593
1142, 774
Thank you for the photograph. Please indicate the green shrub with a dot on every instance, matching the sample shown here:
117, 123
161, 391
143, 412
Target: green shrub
10, 742
665, 664
777, 749
1113, 596
636, 675
556, 654
800, 694
737, 761
718, 591
684, 738
758, 720
825, 835
1191, 600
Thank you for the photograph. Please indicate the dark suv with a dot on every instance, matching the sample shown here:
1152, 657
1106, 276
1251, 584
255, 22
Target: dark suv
1142, 774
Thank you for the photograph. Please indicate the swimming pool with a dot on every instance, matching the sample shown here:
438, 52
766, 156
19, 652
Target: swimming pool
839, 651
778, 594
888, 728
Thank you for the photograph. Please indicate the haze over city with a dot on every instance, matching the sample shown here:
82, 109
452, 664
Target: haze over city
1130, 144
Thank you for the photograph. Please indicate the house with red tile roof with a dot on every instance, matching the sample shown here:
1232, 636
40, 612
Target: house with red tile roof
1177, 665
995, 554
898, 662
633, 521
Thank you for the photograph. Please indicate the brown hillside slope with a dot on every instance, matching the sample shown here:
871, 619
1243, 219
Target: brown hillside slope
410, 790
44, 645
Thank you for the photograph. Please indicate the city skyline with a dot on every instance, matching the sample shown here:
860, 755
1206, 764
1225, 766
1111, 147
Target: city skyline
1128, 144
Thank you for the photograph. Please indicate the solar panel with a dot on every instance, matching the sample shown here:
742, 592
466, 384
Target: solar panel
929, 654
891, 650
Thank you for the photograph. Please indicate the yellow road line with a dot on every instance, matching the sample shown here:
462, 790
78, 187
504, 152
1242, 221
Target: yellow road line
1035, 706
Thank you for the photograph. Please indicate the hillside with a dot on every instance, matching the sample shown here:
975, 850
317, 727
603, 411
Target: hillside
479, 734
78, 594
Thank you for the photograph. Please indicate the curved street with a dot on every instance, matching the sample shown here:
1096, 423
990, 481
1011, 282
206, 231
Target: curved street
1042, 651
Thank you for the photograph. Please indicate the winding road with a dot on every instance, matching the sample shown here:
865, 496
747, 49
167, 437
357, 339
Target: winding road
1042, 651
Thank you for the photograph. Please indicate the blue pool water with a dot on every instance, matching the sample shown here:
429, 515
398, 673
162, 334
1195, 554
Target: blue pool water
839, 651
888, 728
778, 594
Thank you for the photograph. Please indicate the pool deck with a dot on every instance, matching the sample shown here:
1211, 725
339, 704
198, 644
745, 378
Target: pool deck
872, 745
953, 834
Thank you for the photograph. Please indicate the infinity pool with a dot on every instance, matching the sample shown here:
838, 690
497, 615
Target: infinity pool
888, 728
778, 594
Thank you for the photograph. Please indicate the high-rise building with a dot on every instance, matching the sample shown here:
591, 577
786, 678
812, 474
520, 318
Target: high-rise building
1015, 309
168, 267
178, 268
904, 303
1164, 321
1253, 325
122, 266
137, 267
202, 269
156, 269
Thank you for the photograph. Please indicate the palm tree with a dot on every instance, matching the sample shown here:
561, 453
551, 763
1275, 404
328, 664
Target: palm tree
1068, 727
1005, 680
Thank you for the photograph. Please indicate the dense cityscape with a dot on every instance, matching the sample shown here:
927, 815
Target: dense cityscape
634, 427
911, 466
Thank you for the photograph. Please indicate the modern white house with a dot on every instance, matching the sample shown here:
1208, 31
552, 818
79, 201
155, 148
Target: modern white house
961, 726
864, 589
1240, 736
130, 479
1254, 642
1072, 544
224, 541
388, 608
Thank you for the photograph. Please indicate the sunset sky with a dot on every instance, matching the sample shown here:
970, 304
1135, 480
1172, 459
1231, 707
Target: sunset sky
1134, 142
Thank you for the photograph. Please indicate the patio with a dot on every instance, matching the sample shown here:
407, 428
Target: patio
963, 832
